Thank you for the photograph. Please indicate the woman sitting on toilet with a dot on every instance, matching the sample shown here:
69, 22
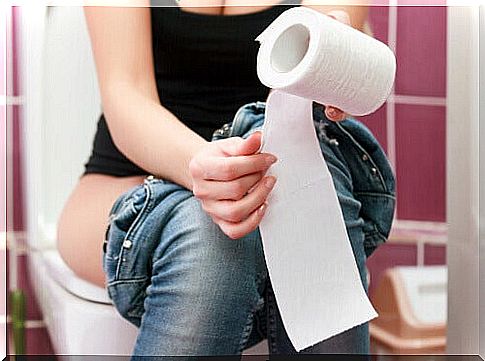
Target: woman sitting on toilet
163, 216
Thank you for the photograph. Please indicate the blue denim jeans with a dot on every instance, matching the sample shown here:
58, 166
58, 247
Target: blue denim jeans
193, 291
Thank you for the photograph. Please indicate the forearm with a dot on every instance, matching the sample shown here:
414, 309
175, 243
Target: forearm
150, 135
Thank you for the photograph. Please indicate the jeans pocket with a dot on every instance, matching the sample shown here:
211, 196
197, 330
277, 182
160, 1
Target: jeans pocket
126, 288
128, 299
123, 219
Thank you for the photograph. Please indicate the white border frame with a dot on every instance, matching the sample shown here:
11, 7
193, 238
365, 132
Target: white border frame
462, 180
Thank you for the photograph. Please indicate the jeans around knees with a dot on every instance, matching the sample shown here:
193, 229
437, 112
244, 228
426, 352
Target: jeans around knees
171, 271
193, 291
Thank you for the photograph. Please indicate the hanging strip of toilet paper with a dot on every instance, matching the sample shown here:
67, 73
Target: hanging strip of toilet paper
306, 56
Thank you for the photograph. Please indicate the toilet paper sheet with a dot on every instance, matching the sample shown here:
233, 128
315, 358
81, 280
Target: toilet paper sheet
308, 56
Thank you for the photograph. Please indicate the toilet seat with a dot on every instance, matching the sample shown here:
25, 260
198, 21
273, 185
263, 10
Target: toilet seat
66, 278
75, 325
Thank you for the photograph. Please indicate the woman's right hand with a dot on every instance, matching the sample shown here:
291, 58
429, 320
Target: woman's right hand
228, 177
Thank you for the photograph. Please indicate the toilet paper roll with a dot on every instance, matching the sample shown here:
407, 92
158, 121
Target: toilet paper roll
306, 56
306, 53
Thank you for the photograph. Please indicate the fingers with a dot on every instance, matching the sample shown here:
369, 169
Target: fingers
240, 229
230, 168
334, 114
232, 190
238, 211
227, 177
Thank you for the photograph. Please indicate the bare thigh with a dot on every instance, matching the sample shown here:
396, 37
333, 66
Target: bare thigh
83, 222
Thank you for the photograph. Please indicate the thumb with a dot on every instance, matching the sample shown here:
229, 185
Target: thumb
237, 146
251, 144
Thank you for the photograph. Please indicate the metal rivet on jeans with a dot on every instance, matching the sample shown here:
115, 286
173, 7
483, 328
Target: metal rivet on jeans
365, 157
374, 171
333, 142
127, 244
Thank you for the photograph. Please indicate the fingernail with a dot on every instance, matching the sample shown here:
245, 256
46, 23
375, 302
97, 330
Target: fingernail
262, 209
331, 112
270, 159
269, 182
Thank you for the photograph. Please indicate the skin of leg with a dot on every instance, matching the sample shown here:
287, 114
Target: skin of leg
83, 221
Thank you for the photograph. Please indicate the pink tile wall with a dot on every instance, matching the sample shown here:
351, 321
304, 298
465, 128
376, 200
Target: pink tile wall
434, 254
3, 252
378, 19
418, 142
18, 209
421, 50
420, 156
376, 122
3, 153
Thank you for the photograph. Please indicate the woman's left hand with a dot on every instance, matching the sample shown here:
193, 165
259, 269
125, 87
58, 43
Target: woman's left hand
333, 113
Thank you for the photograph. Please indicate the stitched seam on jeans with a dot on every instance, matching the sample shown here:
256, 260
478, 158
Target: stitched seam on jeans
362, 149
250, 323
375, 233
132, 280
246, 332
271, 332
373, 194
132, 228
260, 324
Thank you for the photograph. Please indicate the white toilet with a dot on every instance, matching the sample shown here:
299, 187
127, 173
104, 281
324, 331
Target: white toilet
59, 118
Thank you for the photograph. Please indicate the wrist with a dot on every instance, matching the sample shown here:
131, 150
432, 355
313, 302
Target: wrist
195, 149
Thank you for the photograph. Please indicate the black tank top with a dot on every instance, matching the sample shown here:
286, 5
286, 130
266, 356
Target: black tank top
205, 69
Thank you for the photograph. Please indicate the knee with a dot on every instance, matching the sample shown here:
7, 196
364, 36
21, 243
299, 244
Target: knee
194, 248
